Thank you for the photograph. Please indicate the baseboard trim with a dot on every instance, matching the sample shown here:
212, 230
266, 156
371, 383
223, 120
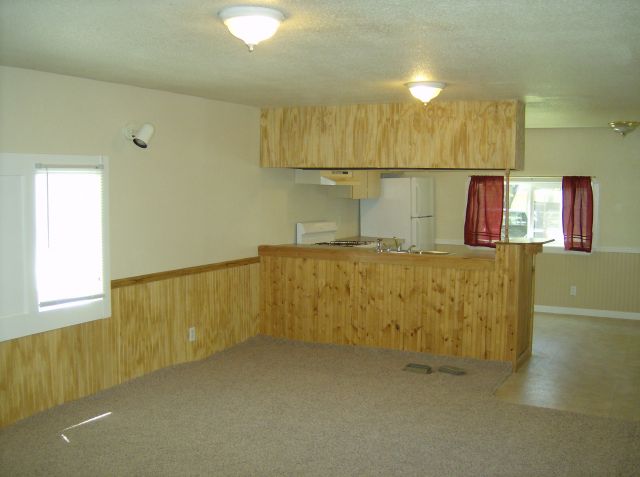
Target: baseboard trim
562, 310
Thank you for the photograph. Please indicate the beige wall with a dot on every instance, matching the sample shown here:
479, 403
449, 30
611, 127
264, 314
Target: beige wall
599, 152
613, 160
606, 280
196, 196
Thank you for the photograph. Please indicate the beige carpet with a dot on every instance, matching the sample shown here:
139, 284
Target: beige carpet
271, 407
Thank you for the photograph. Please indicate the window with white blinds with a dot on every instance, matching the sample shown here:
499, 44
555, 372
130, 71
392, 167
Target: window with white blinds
69, 257
53, 242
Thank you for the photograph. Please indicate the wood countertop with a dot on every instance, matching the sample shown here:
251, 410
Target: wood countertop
472, 260
364, 254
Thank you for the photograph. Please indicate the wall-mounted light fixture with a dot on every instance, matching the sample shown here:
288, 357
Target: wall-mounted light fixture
624, 127
140, 136
425, 91
251, 24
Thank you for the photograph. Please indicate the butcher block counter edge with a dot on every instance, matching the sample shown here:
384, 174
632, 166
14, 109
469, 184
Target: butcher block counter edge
355, 254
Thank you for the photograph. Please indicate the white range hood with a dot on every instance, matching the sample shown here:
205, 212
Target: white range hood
325, 177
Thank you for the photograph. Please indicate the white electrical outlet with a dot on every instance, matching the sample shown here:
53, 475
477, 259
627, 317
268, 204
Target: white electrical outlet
573, 290
192, 333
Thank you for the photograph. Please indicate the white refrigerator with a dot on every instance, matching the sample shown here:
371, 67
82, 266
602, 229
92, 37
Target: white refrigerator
405, 210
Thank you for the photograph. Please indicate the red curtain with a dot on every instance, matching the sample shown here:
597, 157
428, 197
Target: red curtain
485, 202
577, 213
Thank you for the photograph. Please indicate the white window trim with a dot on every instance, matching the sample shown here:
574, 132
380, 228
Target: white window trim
34, 321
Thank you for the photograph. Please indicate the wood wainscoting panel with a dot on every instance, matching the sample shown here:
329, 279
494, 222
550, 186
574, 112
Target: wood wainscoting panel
152, 331
155, 317
429, 307
148, 330
516, 278
46, 369
453, 305
605, 281
335, 306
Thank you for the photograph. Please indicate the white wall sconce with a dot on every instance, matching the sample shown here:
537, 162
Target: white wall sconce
624, 127
140, 136
251, 24
425, 91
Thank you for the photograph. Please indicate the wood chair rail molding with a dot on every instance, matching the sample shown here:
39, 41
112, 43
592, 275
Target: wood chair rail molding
181, 272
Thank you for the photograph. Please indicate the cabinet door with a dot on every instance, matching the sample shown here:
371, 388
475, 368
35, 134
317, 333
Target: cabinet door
441, 135
368, 187
458, 135
316, 137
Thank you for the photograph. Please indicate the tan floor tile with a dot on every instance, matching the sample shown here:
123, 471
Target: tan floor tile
580, 364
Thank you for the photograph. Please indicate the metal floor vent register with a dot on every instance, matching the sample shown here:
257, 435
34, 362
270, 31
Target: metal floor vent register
426, 369
451, 370
418, 368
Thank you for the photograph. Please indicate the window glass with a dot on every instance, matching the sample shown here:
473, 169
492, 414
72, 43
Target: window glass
68, 236
535, 209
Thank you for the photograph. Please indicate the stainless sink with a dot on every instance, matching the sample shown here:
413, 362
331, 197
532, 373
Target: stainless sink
419, 252
431, 252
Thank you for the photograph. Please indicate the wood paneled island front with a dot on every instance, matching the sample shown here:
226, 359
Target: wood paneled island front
478, 306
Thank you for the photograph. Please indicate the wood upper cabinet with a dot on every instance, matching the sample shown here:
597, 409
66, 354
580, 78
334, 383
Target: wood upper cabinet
441, 135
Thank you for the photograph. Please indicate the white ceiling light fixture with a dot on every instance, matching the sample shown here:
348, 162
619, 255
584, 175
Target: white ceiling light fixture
624, 127
251, 24
425, 91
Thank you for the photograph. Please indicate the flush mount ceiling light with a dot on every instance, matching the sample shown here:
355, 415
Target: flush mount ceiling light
425, 91
251, 24
624, 127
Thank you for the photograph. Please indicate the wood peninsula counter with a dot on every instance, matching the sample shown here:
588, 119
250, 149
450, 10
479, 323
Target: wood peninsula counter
475, 305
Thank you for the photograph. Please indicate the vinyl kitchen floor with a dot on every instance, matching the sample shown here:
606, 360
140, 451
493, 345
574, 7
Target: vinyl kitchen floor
582, 364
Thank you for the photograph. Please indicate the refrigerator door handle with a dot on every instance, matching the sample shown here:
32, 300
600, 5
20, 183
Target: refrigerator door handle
415, 199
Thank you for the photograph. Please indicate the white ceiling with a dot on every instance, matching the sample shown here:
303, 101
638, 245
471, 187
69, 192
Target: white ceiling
574, 62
